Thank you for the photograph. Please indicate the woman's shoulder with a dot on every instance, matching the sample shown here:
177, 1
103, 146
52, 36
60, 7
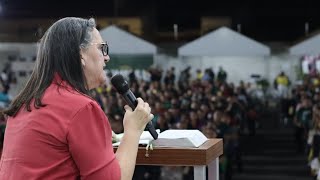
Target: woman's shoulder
67, 97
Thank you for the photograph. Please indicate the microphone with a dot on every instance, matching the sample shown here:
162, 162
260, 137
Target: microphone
121, 85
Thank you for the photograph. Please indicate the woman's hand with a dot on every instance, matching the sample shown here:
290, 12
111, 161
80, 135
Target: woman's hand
137, 120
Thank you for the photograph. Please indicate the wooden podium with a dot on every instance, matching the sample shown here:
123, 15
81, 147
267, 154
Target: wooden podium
205, 155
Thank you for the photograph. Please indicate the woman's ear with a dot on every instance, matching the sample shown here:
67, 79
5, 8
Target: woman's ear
83, 62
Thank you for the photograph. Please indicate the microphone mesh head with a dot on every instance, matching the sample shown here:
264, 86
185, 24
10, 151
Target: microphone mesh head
119, 83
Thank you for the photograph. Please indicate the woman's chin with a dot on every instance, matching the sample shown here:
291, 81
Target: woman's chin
103, 81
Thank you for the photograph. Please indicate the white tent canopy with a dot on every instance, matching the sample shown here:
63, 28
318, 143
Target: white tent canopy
310, 46
224, 42
122, 42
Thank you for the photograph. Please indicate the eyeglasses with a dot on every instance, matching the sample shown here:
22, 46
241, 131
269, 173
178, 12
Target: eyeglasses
104, 48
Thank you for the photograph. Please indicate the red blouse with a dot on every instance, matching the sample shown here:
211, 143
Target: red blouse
69, 138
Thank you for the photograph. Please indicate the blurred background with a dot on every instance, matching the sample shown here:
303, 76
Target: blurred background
245, 71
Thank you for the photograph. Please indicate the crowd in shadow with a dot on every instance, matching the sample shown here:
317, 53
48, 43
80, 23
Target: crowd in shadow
301, 108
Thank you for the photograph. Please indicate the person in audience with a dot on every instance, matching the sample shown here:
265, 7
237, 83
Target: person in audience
5, 99
282, 83
222, 75
313, 143
199, 74
132, 76
55, 130
302, 122
208, 75
170, 76
184, 78
209, 132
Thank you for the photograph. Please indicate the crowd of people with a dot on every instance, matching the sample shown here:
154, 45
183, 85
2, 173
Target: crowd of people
303, 106
300, 107
207, 103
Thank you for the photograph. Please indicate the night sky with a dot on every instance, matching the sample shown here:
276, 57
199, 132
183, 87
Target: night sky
273, 20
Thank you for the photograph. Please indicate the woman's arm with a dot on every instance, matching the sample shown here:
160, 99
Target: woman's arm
134, 123
127, 154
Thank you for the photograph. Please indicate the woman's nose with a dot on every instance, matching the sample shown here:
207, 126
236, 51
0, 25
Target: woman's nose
106, 58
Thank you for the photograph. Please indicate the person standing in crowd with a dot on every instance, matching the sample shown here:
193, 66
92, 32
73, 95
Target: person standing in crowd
302, 122
132, 77
55, 130
199, 74
282, 84
170, 76
4, 97
184, 78
222, 75
313, 143
208, 75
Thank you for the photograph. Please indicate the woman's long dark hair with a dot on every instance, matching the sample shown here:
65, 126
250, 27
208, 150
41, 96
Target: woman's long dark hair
59, 52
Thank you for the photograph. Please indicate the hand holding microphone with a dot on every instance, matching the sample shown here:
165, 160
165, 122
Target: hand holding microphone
138, 110
138, 118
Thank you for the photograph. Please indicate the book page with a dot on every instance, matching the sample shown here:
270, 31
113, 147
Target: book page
141, 142
145, 138
180, 138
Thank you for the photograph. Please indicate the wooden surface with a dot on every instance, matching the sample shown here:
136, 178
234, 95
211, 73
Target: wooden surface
203, 155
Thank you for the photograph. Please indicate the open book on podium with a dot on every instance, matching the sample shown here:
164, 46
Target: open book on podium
170, 138
180, 148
